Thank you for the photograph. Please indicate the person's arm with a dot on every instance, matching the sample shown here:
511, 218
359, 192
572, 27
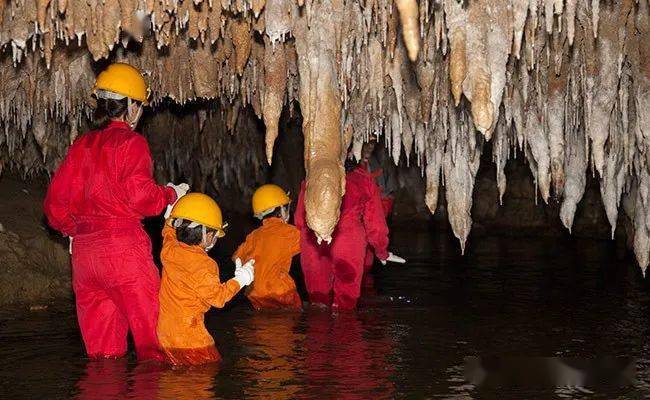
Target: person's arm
143, 194
375, 222
56, 205
209, 288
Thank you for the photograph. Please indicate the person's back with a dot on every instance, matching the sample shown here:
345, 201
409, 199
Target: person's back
361, 212
108, 184
359, 191
272, 246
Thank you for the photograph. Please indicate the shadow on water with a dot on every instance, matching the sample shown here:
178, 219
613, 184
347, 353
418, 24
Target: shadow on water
519, 297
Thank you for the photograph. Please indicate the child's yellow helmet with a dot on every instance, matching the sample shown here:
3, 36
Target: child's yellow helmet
124, 80
267, 197
200, 208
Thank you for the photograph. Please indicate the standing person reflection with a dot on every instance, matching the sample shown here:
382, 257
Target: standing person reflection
343, 362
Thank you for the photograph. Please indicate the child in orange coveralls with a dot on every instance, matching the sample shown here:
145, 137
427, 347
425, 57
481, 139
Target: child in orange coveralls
190, 281
272, 246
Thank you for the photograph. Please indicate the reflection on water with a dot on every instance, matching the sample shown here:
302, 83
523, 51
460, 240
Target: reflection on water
409, 339
274, 365
187, 383
346, 360
116, 379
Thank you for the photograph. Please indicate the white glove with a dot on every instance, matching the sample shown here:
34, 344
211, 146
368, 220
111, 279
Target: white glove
181, 190
393, 258
244, 274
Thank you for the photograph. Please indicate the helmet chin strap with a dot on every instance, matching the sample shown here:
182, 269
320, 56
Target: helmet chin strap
133, 122
205, 238
204, 233
284, 213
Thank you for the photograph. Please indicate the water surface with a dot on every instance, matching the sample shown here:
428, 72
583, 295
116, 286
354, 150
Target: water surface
509, 297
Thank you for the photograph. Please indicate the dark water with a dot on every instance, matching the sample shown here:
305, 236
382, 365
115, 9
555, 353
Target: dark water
506, 297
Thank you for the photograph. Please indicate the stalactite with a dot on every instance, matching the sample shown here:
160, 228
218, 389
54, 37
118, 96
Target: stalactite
576, 168
277, 18
321, 110
460, 165
434, 158
639, 49
426, 73
456, 19
520, 11
477, 84
275, 79
3, 5
396, 118
408, 13
500, 153
412, 104
555, 126
241, 39
537, 142
204, 72
605, 87
499, 44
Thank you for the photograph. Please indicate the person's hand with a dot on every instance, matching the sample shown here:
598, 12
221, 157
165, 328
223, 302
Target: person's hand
393, 258
244, 274
181, 190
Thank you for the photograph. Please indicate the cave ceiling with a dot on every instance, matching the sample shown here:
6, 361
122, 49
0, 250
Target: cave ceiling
564, 84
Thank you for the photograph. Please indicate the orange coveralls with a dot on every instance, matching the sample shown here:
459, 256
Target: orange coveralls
190, 285
272, 246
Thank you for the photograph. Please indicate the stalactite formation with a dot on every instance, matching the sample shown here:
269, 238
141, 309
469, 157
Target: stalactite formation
563, 83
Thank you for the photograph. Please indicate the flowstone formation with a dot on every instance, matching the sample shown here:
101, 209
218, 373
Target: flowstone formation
563, 83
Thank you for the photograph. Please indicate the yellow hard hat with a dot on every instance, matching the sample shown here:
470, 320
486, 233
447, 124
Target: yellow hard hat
267, 197
200, 208
123, 79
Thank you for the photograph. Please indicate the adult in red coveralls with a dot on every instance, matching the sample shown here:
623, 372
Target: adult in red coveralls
333, 271
98, 196
386, 185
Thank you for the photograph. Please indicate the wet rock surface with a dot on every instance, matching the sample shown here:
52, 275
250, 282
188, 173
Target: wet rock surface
35, 266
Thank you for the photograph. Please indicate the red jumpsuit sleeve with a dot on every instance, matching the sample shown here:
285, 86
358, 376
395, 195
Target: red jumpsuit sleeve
143, 194
299, 215
374, 222
56, 205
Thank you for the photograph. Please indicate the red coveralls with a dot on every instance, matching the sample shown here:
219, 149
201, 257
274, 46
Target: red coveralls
333, 272
98, 196
387, 205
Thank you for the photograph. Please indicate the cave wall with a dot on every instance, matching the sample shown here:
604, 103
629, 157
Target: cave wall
34, 261
222, 152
